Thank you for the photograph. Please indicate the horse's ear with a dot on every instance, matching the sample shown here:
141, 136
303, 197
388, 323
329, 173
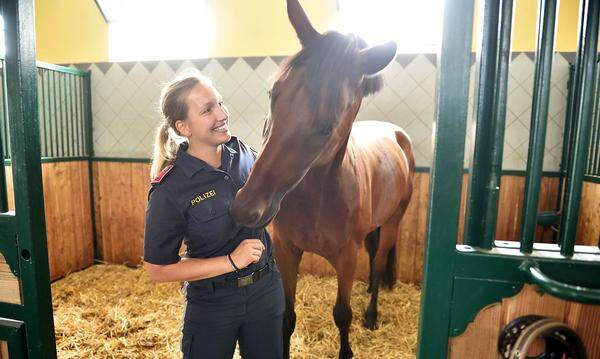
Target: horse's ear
376, 58
304, 29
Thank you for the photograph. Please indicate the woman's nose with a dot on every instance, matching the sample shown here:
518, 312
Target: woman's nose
224, 112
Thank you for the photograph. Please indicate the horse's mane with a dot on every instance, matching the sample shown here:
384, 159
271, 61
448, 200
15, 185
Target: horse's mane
328, 62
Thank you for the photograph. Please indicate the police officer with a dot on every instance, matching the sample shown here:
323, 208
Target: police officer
232, 286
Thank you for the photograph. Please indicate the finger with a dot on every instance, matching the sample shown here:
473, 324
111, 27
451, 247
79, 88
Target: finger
258, 247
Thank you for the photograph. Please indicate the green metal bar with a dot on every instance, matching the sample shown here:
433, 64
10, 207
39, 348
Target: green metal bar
558, 289
76, 132
498, 124
54, 117
40, 105
54, 160
539, 116
64, 120
5, 112
88, 117
72, 138
567, 131
446, 177
122, 159
82, 99
44, 117
90, 155
3, 186
475, 217
586, 66
30, 238
594, 155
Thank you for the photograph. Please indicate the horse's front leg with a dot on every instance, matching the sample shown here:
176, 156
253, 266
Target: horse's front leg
345, 265
288, 259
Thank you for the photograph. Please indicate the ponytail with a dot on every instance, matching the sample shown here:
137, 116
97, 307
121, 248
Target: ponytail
165, 149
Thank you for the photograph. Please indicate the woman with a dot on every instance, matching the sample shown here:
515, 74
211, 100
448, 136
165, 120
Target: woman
232, 286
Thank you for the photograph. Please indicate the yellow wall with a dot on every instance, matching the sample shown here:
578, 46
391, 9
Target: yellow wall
69, 31
525, 25
261, 27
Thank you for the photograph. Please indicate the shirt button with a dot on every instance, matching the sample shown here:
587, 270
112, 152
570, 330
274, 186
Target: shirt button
212, 211
226, 177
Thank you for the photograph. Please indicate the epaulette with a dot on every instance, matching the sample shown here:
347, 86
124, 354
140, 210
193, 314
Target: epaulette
162, 174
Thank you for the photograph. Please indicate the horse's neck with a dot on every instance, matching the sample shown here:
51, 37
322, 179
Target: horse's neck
319, 176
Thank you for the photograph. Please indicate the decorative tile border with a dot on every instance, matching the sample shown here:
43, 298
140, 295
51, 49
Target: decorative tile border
125, 96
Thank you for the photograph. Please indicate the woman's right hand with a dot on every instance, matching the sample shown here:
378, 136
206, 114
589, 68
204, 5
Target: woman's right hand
247, 252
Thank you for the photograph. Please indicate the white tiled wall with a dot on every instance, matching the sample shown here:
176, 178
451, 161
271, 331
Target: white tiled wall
125, 102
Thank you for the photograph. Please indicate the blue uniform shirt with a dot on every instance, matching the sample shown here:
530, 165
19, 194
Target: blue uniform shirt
191, 204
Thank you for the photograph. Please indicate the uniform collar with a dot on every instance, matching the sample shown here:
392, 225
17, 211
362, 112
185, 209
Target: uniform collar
191, 165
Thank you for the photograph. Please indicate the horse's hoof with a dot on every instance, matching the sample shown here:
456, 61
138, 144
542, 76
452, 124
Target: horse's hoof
346, 354
370, 321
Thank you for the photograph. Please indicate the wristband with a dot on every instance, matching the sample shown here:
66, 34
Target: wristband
232, 264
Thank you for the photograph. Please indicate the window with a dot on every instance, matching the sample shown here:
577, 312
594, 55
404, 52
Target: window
415, 25
157, 29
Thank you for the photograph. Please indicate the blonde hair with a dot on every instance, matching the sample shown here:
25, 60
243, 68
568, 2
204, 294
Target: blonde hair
173, 106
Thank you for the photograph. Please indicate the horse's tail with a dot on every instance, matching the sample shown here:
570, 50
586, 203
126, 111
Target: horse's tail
389, 275
406, 144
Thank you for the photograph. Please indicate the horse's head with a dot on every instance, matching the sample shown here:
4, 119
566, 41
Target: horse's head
314, 101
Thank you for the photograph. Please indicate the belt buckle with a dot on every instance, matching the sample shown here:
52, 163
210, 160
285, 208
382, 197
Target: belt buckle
245, 280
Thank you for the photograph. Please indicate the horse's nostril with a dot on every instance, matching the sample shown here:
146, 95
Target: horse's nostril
245, 217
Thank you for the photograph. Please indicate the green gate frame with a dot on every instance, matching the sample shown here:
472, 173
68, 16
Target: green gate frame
23, 232
459, 280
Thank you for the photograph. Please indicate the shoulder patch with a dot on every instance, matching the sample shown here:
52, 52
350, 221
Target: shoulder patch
162, 174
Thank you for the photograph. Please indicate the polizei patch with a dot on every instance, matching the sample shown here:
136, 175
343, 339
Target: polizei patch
203, 196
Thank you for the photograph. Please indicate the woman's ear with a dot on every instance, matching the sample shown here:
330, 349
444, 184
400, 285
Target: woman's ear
182, 128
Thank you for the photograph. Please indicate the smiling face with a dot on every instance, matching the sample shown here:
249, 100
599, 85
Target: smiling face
207, 119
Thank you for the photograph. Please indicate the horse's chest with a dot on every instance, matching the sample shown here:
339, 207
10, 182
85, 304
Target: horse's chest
315, 225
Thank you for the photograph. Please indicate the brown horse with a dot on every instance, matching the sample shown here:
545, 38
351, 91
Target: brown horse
329, 184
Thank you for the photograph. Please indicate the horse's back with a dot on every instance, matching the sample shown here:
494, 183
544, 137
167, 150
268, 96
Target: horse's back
383, 160
382, 136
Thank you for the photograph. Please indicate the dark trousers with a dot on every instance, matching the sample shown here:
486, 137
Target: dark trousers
215, 319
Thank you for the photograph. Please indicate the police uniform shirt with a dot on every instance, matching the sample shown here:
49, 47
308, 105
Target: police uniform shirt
190, 203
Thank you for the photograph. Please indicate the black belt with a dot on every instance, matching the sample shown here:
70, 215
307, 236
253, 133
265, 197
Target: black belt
245, 280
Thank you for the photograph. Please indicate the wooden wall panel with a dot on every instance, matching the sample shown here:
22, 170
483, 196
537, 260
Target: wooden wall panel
10, 288
480, 338
588, 231
4, 350
120, 202
68, 215
120, 196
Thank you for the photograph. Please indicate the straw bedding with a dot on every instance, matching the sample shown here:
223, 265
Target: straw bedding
112, 311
